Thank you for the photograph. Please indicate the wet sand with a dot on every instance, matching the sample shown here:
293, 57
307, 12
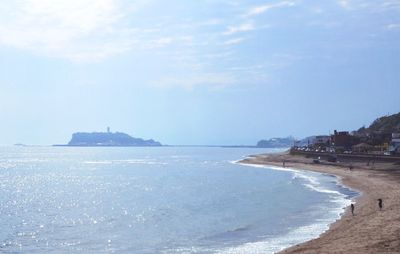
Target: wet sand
370, 230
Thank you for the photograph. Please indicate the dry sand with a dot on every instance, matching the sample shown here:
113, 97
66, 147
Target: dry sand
369, 230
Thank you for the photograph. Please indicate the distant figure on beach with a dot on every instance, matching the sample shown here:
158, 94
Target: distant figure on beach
352, 209
380, 203
351, 167
283, 163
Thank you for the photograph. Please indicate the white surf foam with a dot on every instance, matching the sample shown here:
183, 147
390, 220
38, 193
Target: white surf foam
301, 234
279, 243
312, 181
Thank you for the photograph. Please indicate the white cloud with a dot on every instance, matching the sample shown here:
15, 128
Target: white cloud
219, 56
161, 42
211, 22
374, 6
393, 26
75, 29
233, 41
240, 28
391, 4
344, 3
191, 81
263, 8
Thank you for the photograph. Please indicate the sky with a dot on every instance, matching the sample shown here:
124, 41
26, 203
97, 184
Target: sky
215, 72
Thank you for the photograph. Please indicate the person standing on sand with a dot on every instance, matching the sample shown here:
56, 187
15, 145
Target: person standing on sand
352, 209
380, 203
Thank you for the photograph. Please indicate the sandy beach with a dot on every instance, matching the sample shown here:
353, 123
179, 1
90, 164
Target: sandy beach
370, 230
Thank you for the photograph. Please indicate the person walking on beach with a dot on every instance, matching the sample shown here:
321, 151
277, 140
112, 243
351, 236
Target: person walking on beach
352, 209
380, 203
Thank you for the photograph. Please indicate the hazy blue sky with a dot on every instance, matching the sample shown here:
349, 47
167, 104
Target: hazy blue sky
196, 72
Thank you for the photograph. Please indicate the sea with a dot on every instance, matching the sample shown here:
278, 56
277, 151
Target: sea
159, 200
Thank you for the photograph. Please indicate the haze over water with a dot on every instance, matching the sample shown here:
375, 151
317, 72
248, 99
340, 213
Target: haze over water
157, 200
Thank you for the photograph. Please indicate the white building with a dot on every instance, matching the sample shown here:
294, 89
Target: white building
322, 140
395, 144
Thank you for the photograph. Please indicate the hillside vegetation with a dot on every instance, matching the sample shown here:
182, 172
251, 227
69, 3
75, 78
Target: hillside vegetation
385, 124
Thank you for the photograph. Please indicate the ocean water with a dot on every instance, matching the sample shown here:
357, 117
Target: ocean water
158, 200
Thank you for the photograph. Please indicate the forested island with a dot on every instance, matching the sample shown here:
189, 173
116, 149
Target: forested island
108, 139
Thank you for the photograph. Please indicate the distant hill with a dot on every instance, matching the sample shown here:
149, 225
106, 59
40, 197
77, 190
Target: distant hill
378, 133
306, 141
108, 139
385, 124
276, 142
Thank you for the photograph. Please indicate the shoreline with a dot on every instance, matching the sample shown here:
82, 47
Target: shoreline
369, 230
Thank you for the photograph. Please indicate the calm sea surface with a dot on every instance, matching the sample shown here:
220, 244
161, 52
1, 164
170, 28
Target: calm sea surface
157, 200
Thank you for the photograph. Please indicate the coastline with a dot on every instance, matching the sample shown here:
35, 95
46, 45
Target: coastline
369, 230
